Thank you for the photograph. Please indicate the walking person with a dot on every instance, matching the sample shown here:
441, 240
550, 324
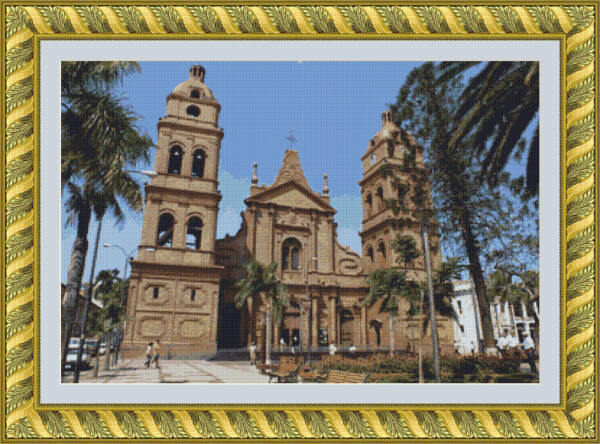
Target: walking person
149, 353
332, 349
252, 351
502, 344
156, 350
529, 347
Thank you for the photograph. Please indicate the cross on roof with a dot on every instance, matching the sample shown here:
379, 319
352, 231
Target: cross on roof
291, 138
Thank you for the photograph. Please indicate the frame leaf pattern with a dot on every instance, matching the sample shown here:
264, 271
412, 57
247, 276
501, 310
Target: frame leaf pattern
23, 421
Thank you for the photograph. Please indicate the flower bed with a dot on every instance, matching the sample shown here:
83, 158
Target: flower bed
383, 368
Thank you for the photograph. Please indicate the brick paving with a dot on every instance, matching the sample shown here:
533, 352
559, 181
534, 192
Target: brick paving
174, 371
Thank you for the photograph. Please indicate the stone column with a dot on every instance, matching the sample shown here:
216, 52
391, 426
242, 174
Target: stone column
186, 161
150, 225
314, 226
331, 328
250, 325
271, 248
315, 322
276, 334
363, 324
209, 230
212, 159
180, 228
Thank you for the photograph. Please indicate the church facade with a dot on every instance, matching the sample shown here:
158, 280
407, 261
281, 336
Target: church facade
182, 285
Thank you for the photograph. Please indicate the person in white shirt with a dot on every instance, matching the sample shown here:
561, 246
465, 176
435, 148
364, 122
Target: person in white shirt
352, 349
502, 343
149, 355
252, 350
282, 343
332, 349
529, 347
512, 340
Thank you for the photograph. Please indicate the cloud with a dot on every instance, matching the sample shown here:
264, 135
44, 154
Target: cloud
349, 210
349, 219
348, 237
234, 192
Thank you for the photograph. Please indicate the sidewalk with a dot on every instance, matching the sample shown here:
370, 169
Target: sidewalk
176, 371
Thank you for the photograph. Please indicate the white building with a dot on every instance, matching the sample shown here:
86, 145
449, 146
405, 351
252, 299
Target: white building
467, 328
505, 317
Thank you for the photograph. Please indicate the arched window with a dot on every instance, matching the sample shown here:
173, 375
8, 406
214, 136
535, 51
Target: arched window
290, 254
370, 254
195, 94
379, 199
193, 237
381, 249
175, 158
164, 235
198, 163
369, 201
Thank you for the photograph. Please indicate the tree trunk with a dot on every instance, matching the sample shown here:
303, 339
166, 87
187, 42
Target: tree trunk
268, 333
392, 338
74, 277
476, 271
89, 293
421, 330
434, 335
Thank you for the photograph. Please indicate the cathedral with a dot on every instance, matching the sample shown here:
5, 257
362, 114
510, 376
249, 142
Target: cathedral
182, 284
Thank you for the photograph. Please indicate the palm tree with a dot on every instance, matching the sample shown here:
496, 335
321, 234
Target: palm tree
260, 279
428, 110
443, 290
99, 139
524, 291
388, 285
496, 107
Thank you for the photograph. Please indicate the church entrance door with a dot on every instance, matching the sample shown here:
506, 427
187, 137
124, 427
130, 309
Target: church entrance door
346, 328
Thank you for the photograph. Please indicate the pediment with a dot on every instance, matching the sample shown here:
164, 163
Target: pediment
291, 194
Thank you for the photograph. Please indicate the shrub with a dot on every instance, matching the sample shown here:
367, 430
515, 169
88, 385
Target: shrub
405, 367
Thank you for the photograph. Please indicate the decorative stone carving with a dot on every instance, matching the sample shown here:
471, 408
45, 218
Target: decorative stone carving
192, 329
291, 169
152, 327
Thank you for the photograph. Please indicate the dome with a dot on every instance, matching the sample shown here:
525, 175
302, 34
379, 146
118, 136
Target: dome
194, 86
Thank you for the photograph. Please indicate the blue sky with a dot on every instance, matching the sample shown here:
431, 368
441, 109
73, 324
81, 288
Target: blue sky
333, 109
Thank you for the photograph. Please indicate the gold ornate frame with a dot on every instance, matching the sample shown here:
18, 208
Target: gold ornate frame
25, 23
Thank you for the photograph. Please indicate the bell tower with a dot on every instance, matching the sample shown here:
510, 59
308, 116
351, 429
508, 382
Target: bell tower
174, 284
395, 193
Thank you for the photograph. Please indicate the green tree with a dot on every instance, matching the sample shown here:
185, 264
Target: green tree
497, 105
390, 286
99, 140
428, 111
405, 248
260, 279
111, 290
443, 291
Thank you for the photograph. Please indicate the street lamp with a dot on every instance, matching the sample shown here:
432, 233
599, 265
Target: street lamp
307, 301
89, 291
128, 256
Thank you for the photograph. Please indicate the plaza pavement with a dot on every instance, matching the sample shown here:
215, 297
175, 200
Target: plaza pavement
176, 371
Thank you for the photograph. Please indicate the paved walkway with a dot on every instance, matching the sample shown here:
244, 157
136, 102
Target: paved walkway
176, 371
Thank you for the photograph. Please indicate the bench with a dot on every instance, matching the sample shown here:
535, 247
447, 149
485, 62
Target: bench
265, 367
342, 377
284, 373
